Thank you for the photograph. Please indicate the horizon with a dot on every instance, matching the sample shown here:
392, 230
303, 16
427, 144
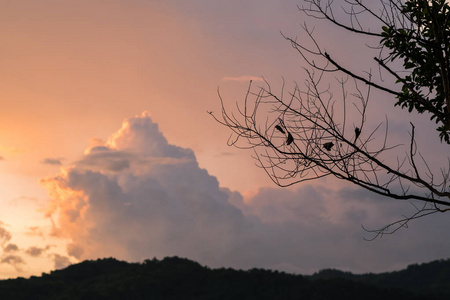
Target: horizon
235, 269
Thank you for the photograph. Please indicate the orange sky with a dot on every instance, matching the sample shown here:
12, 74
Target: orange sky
72, 71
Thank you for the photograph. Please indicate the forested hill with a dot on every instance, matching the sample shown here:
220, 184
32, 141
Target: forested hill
429, 278
178, 278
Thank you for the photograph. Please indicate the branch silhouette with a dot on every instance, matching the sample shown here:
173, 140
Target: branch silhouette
310, 133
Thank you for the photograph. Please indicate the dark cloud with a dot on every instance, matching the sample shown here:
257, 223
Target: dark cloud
163, 204
61, 262
10, 248
5, 235
36, 251
75, 250
52, 161
7, 258
13, 260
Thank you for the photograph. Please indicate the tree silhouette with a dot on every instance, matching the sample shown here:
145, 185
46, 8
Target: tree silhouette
178, 278
313, 132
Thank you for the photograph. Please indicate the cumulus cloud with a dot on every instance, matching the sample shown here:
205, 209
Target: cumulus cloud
137, 196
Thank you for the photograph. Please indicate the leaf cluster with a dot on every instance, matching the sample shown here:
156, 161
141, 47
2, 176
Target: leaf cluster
423, 46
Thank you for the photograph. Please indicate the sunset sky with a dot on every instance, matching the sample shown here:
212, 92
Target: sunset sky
107, 149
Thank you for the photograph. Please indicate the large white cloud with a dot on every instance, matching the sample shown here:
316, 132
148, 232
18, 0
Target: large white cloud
139, 197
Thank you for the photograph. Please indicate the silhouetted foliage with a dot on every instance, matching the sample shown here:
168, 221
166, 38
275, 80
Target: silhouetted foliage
432, 279
178, 278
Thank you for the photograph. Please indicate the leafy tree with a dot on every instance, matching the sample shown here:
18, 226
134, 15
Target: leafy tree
423, 45
313, 132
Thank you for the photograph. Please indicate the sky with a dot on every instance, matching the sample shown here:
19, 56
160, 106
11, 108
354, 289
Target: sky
107, 149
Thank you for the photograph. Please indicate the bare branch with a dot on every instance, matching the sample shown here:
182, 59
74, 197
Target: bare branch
313, 131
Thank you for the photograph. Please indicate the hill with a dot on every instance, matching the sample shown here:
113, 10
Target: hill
431, 278
178, 278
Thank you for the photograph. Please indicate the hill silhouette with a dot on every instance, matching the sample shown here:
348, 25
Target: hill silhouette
179, 278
